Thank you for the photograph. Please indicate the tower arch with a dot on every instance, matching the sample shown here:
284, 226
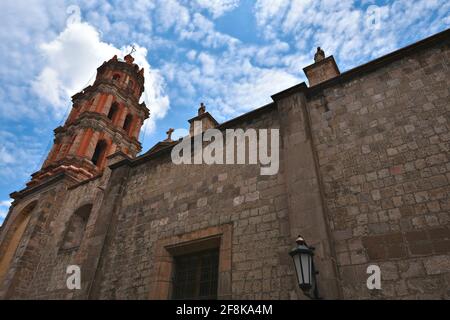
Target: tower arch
127, 124
99, 152
113, 111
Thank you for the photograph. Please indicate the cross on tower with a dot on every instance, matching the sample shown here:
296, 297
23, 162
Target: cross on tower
129, 58
169, 134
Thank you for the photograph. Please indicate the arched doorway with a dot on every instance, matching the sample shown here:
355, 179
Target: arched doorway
13, 237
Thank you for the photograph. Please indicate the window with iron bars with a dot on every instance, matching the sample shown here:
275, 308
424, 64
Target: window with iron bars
196, 275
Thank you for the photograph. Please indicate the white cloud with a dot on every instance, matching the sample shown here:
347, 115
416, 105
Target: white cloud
191, 54
179, 133
341, 26
202, 30
6, 203
268, 10
208, 63
20, 154
5, 156
294, 28
230, 84
24, 24
218, 7
4, 207
154, 95
447, 20
71, 62
170, 13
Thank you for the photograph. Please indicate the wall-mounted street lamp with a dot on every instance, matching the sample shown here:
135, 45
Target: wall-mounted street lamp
303, 257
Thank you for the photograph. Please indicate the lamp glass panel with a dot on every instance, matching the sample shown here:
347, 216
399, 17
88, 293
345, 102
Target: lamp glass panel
298, 269
306, 265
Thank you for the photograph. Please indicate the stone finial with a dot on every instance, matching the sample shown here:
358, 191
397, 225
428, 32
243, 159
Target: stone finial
169, 134
114, 58
202, 109
323, 69
320, 55
129, 59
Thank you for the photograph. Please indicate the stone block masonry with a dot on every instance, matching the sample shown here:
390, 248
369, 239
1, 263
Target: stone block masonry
167, 201
383, 150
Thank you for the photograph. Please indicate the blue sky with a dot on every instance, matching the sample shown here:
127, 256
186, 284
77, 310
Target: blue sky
230, 54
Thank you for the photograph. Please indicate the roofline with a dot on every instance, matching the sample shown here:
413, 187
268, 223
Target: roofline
246, 115
98, 176
17, 195
325, 60
367, 67
311, 91
383, 61
152, 155
203, 115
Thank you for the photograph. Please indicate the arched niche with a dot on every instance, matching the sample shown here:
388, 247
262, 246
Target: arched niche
76, 227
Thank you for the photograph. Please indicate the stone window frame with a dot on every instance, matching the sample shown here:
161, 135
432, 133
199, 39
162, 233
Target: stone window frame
164, 250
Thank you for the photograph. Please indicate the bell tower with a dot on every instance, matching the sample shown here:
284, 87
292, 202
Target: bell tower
106, 117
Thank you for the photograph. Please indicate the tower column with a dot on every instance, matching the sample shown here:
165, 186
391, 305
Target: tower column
92, 144
76, 143
101, 103
87, 136
65, 144
107, 104
73, 115
121, 118
93, 106
137, 128
52, 155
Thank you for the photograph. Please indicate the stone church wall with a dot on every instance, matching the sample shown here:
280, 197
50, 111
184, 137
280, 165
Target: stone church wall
50, 276
162, 203
41, 274
383, 149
